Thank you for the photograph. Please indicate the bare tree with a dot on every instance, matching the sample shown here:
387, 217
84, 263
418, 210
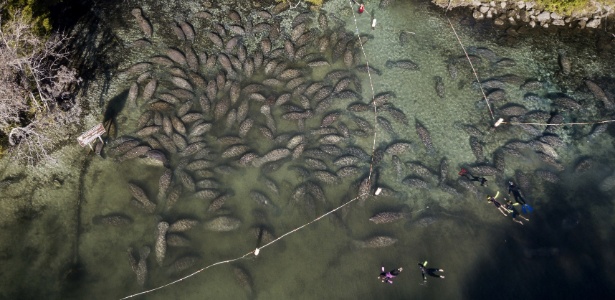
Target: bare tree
35, 84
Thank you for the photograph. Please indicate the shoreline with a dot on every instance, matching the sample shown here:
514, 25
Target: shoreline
514, 13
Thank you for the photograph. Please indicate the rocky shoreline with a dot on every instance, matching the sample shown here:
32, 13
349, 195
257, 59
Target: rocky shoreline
514, 13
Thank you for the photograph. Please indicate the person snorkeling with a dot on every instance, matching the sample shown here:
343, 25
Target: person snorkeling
482, 180
516, 192
388, 276
510, 206
514, 189
491, 199
429, 271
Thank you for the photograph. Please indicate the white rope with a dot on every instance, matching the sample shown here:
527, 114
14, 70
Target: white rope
371, 84
559, 124
257, 250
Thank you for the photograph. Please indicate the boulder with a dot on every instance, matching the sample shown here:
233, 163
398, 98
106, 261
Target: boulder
521, 5
478, 15
543, 17
558, 22
594, 23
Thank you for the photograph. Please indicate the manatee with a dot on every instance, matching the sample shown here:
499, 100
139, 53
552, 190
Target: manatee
402, 64
139, 194
183, 263
439, 85
600, 94
218, 202
415, 182
547, 175
243, 278
388, 217
182, 225
564, 62
145, 25
376, 242
161, 244
222, 223
425, 137
114, 219
477, 149
142, 270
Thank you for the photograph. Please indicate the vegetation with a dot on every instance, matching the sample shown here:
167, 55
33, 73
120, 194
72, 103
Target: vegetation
35, 85
317, 3
563, 6
35, 12
566, 7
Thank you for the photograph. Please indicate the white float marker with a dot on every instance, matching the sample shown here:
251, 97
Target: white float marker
257, 251
500, 120
378, 191
373, 24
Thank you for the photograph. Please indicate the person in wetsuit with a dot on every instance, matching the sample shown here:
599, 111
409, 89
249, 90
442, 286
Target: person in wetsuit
514, 189
429, 271
513, 212
388, 276
482, 180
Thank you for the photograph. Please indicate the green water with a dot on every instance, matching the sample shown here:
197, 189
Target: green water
564, 251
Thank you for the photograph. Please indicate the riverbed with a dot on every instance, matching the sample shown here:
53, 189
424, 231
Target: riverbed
58, 241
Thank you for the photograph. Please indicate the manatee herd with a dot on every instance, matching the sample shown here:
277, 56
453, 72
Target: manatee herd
222, 92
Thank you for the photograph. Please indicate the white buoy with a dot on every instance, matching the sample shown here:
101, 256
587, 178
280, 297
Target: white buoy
500, 120
256, 251
374, 24
378, 191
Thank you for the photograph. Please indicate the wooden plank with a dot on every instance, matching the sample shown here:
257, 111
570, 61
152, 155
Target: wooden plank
90, 135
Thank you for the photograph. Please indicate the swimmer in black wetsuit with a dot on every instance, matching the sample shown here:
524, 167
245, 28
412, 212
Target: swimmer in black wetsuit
482, 180
429, 271
514, 189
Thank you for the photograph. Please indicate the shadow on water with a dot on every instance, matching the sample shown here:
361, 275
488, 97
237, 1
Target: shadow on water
92, 39
559, 254
113, 109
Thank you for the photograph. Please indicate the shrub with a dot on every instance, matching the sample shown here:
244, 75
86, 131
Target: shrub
35, 86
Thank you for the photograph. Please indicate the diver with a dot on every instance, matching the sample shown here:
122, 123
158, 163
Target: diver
514, 189
497, 204
513, 212
429, 271
482, 180
388, 276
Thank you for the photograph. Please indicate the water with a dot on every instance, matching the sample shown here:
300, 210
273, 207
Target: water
563, 251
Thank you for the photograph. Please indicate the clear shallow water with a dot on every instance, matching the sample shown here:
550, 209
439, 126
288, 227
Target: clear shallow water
484, 254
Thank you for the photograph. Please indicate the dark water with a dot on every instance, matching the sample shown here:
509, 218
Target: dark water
564, 251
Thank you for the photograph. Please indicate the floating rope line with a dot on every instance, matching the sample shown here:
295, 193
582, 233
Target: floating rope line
469, 60
471, 66
558, 124
257, 250
371, 84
